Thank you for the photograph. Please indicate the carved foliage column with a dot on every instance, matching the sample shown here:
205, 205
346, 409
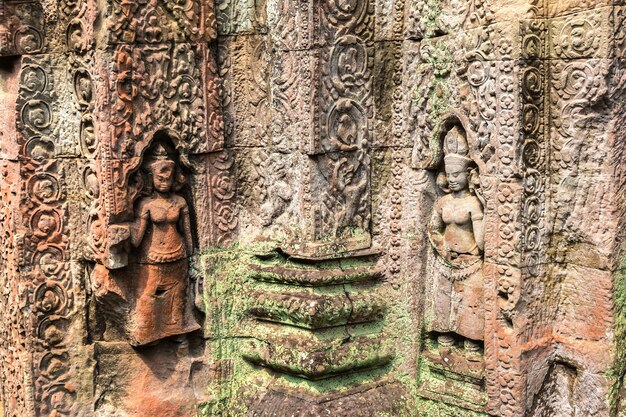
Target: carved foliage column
584, 198
54, 94
45, 241
335, 96
21, 32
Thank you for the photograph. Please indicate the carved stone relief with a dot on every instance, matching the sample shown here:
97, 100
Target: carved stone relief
456, 283
162, 237
346, 207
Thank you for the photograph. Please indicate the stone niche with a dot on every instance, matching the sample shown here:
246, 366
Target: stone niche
312, 208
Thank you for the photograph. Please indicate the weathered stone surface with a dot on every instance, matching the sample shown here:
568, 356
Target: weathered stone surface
312, 208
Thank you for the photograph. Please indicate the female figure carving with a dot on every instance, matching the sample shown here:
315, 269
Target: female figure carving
162, 233
457, 234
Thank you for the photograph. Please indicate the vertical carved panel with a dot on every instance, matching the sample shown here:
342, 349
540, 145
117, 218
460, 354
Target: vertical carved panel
224, 219
21, 28
44, 242
336, 96
15, 332
534, 160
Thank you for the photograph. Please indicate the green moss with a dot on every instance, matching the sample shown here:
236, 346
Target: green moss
619, 370
430, 408
225, 275
433, 12
229, 281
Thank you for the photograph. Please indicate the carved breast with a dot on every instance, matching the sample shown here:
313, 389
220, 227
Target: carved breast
164, 212
164, 242
457, 211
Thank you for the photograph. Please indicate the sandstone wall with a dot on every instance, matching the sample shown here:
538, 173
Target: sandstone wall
396, 207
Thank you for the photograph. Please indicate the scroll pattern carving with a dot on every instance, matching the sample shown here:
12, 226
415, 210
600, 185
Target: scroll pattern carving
579, 89
14, 358
581, 194
44, 245
534, 146
578, 36
395, 227
21, 28
225, 220
339, 140
480, 75
88, 149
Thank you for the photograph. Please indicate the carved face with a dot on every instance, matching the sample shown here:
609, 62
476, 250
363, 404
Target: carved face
457, 179
163, 177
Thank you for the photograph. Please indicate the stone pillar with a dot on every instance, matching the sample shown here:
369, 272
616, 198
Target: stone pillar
87, 88
534, 84
308, 307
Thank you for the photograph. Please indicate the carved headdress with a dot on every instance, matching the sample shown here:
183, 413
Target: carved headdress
159, 158
455, 150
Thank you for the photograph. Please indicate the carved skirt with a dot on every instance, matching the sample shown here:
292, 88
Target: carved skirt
163, 305
457, 299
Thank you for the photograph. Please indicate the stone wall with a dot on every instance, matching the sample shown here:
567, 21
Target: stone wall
276, 208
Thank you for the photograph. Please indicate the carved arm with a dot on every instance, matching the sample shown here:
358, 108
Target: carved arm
478, 225
138, 227
436, 228
186, 225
